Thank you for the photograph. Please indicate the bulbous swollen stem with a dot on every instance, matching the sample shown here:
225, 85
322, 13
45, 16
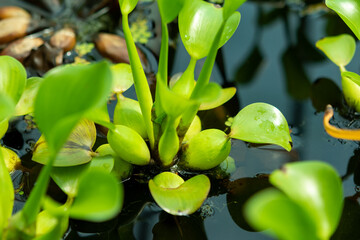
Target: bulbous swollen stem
349, 134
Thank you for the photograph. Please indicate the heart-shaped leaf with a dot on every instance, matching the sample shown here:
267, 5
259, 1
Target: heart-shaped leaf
7, 195
26, 102
315, 187
349, 11
100, 197
177, 197
127, 6
261, 123
169, 9
225, 95
351, 88
339, 49
76, 151
12, 77
273, 210
122, 77
65, 95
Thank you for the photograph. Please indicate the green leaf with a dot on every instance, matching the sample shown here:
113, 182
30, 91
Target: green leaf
3, 127
49, 227
349, 11
317, 188
225, 95
127, 6
65, 95
76, 151
210, 93
177, 197
351, 88
272, 209
122, 77
67, 178
7, 107
230, 27
26, 102
169, 9
11, 159
100, 115
230, 6
339, 49
100, 197
12, 77
194, 129
261, 123
7, 195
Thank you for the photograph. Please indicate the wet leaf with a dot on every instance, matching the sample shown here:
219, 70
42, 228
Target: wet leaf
26, 102
65, 95
272, 209
339, 49
122, 77
316, 187
351, 88
169, 9
225, 95
7, 195
261, 123
100, 197
12, 78
177, 197
349, 11
205, 150
127, 6
76, 151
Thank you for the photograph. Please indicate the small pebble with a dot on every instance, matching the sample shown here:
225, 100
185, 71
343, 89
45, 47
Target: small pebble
21, 48
13, 12
64, 39
13, 28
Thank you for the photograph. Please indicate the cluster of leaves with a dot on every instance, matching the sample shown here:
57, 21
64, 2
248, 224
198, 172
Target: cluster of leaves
70, 99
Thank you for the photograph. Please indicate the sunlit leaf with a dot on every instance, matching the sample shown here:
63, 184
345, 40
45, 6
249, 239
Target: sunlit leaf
66, 94
11, 159
26, 102
127, 6
50, 227
12, 77
100, 197
76, 151
261, 123
127, 112
273, 210
7, 107
194, 129
7, 195
210, 93
225, 95
339, 49
67, 178
177, 197
205, 150
351, 88
3, 127
122, 77
317, 188
230, 6
349, 11
169, 9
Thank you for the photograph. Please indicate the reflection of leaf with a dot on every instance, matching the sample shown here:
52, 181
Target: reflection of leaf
170, 227
323, 92
306, 50
239, 192
246, 72
297, 81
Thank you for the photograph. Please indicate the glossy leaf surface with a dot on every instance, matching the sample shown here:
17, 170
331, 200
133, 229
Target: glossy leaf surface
194, 129
177, 197
7, 195
225, 95
100, 197
273, 210
317, 188
261, 123
76, 151
351, 88
339, 49
169, 9
127, 6
349, 11
26, 102
122, 77
66, 94
12, 77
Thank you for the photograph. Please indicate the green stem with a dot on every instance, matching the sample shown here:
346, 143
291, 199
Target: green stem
169, 142
140, 82
185, 85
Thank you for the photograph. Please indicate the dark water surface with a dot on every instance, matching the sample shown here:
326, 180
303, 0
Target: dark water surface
283, 69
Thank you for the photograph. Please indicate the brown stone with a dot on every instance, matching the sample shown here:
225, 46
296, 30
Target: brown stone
21, 48
13, 28
64, 39
13, 11
114, 47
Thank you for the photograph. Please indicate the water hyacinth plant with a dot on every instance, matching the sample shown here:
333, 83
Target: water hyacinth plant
161, 131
